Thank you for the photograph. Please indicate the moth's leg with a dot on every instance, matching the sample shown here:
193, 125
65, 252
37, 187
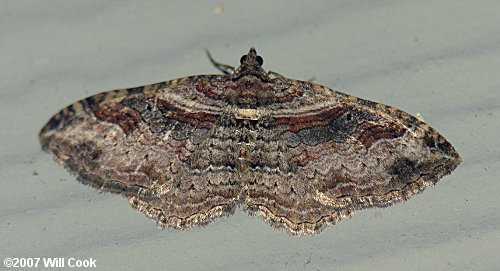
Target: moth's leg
276, 75
226, 69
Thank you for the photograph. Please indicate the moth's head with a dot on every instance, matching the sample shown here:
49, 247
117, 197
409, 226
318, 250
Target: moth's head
251, 59
251, 64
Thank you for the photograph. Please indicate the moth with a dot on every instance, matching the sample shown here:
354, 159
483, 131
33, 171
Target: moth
298, 154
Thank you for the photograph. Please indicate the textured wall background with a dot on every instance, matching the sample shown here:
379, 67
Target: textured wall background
438, 58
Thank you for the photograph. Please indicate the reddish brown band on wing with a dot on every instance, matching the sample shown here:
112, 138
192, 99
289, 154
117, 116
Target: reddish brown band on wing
247, 89
370, 132
294, 124
127, 118
208, 91
197, 119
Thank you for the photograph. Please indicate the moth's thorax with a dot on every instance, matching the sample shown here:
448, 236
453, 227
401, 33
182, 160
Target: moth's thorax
251, 70
245, 92
251, 92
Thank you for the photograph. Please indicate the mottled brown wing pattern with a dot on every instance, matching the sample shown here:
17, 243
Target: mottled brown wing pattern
300, 155
351, 154
126, 141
